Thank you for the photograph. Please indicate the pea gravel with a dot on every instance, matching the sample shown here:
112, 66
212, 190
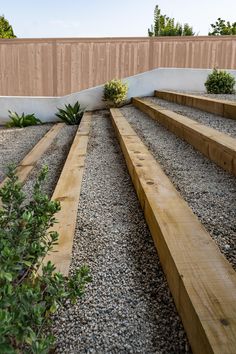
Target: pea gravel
227, 97
209, 191
127, 308
15, 143
224, 125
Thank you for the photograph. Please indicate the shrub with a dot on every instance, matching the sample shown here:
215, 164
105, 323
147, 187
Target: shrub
71, 115
28, 298
21, 121
220, 81
115, 92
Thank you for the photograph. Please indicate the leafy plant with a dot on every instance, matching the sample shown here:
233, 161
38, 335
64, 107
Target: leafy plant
23, 120
71, 115
222, 28
115, 92
27, 297
220, 81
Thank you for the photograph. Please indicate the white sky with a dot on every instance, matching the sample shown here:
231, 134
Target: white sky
107, 18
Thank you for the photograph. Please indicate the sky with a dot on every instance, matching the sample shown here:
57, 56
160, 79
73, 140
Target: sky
107, 18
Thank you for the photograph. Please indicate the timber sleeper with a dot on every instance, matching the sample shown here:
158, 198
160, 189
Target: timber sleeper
201, 280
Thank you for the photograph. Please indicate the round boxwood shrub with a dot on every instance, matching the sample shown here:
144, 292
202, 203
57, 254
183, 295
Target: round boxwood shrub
220, 81
115, 92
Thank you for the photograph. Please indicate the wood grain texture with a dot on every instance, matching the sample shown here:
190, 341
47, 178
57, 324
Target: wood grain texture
222, 108
29, 161
67, 191
60, 66
217, 146
202, 282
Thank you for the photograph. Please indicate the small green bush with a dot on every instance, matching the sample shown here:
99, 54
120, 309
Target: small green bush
21, 121
115, 92
71, 115
220, 81
29, 298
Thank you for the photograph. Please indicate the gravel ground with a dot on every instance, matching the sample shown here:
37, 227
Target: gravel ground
224, 125
211, 95
54, 158
16, 143
209, 191
127, 308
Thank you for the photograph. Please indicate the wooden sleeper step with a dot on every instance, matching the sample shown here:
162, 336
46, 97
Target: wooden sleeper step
222, 108
217, 146
202, 281
67, 191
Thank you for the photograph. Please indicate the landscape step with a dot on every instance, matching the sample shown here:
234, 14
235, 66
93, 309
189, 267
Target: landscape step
217, 146
67, 191
222, 108
202, 281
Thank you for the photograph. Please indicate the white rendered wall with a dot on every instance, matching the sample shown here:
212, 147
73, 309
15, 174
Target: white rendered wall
139, 85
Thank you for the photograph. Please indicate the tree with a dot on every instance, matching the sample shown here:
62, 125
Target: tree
6, 30
222, 28
166, 26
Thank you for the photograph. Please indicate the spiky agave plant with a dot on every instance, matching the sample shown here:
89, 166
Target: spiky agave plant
23, 120
71, 115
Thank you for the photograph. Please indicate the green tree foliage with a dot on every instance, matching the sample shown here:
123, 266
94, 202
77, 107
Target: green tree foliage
222, 28
6, 30
166, 26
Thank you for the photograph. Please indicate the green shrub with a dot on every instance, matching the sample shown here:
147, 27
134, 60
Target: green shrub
28, 298
220, 81
71, 115
115, 92
21, 121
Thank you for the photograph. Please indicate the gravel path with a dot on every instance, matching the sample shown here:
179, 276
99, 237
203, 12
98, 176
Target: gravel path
16, 143
231, 97
54, 158
225, 125
209, 191
127, 308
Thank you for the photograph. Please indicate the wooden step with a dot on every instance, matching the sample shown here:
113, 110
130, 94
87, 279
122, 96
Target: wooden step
27, 164
67, 191
217, 146
202, 281
222, 108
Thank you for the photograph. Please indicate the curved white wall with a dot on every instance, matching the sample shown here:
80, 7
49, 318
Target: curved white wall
139, 85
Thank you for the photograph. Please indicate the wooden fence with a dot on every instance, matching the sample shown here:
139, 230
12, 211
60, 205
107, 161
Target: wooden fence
56, 67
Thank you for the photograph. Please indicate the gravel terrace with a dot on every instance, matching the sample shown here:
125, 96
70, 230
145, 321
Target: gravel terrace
127, 308
224, 125
54, 158
209, 191
15, 143
227, 97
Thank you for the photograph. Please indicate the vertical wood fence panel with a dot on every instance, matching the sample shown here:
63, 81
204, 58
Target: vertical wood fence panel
56, 67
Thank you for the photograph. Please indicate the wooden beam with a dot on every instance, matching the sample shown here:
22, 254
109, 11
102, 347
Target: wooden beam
67, 191
27, 164
222, 108
217, 146
202, 282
